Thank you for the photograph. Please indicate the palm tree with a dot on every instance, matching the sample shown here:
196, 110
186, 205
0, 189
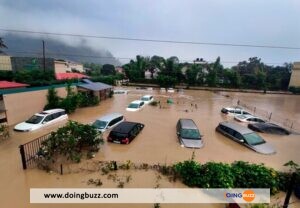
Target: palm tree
2, 45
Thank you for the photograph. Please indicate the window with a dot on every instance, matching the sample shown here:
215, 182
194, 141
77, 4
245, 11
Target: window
48, 118
113, 122
238, 112
238, 135
35, 119
141, 104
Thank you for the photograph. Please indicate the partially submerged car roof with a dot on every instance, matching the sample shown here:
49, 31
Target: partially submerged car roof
239, 128
187, 123
124, 127
109, 117
137, 101
51, 111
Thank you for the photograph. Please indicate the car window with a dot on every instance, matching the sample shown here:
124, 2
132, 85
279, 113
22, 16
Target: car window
48, 118
231, 111
118, 135
134, 131
253, 139
113, 122
55, 115
142, 103
100, 124
238, 111
35, 119
133, 105
190, 133
150, 98
246, 113
238, 135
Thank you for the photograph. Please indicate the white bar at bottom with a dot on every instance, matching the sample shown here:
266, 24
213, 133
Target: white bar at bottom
145, 195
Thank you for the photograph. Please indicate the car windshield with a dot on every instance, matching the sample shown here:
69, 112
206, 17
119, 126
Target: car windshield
145, 98
133, 105
190, 133
100, 124
35, 119
253, 139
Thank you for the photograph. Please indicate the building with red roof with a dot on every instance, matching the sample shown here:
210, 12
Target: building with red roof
70, 75
7, 85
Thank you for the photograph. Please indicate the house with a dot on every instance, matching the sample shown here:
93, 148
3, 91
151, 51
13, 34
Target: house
5, 63
119, 70
62, 66
155, 73
295, 76
98, 89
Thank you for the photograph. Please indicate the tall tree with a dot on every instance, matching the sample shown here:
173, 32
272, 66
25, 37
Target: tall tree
2, 45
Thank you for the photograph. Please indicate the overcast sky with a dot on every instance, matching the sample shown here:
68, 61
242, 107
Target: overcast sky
268, 22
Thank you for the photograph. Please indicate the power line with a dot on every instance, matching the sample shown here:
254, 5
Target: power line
151, 40
110, 57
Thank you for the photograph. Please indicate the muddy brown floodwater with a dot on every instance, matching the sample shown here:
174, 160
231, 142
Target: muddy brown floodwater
156, 144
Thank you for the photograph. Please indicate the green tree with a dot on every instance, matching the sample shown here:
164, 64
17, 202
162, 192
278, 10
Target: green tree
52, 99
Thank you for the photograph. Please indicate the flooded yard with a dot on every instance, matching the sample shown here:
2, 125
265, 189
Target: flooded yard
157, 143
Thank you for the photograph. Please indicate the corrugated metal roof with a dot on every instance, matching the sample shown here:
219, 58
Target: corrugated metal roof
94, 86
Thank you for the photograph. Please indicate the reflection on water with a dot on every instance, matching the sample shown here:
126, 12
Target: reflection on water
158, 141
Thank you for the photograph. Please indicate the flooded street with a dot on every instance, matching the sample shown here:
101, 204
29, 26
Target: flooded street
157, 143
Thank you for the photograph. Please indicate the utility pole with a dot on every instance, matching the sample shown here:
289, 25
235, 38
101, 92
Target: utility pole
44, 59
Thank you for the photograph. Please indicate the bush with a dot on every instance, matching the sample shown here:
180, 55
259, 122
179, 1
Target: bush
85, 100
189, 171
255, 176
69, 141
216, 175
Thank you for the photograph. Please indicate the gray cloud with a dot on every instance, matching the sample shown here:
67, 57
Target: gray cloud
231, 21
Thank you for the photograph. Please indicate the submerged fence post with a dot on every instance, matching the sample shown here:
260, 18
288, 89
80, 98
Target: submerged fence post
22, 152
289, 191
61, 169
270, 116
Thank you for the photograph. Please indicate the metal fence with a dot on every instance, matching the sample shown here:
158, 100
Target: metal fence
29, 151
292, 125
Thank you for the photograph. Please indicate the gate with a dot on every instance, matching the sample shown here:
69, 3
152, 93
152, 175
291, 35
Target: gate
29, 151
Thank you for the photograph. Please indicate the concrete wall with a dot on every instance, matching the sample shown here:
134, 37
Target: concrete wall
5, 63
295, 76
21, 106
31, 63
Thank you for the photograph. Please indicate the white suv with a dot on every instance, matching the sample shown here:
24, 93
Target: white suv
135, 105
42, 119
108, 121
233, 111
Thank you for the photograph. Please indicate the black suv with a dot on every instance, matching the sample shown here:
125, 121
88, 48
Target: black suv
125, 132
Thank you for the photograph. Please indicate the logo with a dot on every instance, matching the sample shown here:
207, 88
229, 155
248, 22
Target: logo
247, 195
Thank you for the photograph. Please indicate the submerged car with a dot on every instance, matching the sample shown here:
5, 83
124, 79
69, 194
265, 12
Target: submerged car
233, 111
188, 134
135, 105
125, 132
108, 121
171, 90
248, 119
245, 136
42, 119
268, 128
121, 92
147, 99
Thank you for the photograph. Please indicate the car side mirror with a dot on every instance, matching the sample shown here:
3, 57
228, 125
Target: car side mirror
242, 141
178, 133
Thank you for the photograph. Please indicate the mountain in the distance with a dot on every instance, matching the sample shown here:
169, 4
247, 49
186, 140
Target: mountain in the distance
27, 46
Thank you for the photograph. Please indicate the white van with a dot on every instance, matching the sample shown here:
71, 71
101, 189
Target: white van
108, 121
42, 119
